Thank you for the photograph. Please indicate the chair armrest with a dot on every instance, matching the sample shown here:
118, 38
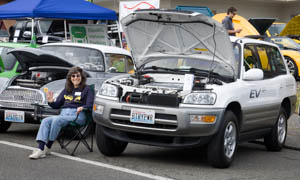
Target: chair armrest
85, 110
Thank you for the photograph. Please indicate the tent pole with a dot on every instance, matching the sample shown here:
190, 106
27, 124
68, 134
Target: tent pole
33, 37
32, 29
65, 27
119, 33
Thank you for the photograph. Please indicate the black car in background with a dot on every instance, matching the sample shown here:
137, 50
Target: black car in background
53, 29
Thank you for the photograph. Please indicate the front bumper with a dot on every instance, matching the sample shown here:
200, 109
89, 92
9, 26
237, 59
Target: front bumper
172, 122
32, 116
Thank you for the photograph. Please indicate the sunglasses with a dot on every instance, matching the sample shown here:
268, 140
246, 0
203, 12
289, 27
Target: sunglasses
75, 75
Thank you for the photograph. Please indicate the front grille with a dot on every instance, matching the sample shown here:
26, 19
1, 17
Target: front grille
20, 98
167, 100
162, 121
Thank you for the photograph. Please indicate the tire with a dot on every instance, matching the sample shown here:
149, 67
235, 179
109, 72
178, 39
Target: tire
108, 146
292, 67
274, 141
222, 148
4, 126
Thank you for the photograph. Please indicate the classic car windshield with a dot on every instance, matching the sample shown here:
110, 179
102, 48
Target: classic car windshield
284, 43
88, 59
193, 65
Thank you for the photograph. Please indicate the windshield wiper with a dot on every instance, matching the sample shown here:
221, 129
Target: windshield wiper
196, 71
160, 68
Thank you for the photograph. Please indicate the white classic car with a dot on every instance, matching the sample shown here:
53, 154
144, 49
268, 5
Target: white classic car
45, 69
194, 86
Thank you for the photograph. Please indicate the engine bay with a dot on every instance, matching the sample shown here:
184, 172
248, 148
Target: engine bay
39, 77
156, 89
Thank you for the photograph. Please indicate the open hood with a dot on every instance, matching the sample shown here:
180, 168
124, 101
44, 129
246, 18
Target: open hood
155, 33
292, 27
262, 24
31, 57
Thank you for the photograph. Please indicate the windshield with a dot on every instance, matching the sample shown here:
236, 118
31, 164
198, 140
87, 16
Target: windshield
284, 43
86, 58
275, 29
237, 55
8, 60
184, 65
45, 25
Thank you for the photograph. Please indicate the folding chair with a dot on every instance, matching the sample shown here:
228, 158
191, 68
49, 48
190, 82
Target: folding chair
73, 126
77, 128
64, 142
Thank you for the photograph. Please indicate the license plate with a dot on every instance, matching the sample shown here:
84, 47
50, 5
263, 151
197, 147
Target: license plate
145, 116
14, 116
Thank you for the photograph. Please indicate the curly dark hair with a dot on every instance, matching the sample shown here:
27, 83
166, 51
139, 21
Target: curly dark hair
69, 85
231, 10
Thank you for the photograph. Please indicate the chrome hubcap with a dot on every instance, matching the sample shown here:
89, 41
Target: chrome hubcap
281, 129
230, 139
291, 66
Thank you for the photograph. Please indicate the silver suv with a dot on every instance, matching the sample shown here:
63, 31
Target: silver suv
194, 86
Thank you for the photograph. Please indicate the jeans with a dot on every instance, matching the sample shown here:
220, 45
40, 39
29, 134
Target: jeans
51, 126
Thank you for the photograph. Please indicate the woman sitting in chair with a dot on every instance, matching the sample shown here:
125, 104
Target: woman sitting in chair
72, 100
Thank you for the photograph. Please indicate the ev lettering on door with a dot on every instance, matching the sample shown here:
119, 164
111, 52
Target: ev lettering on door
254, 93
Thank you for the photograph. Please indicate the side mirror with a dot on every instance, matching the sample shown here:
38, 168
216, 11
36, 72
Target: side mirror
112, 69
27, 34
254, 74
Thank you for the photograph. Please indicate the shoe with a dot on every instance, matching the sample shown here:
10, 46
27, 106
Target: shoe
37, 154
47, 151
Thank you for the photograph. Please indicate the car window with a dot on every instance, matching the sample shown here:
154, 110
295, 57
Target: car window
267, 58
266, 65
250, 59
276, 59
118, 63
19, 24
28, 27
44, 25
87, 58
9, 60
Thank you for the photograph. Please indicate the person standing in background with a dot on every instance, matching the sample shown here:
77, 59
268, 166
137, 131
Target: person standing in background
227, 22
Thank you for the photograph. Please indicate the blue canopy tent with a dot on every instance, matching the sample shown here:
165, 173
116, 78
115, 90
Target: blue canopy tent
55, 9
59, 9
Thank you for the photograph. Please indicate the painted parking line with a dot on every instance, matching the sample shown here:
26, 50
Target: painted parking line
99, 164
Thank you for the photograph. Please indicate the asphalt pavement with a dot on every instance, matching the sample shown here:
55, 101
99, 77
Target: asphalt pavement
293, 136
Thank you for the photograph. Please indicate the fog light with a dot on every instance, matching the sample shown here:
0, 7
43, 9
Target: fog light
202, 119
98, 108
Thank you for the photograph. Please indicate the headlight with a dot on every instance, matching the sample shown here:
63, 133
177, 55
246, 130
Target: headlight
108, 90
200, 98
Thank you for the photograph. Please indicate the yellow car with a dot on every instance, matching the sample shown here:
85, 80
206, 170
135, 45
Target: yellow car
289, 48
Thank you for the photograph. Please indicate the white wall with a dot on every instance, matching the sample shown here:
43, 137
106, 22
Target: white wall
246, 8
